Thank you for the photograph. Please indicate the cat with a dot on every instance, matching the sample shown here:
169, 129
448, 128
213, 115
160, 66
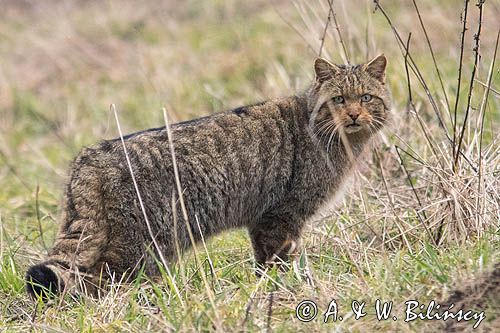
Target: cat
267, 167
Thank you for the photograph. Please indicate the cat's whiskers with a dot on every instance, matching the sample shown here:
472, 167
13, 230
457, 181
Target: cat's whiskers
339, 139
371, 128
320, 125
329, 130
324, 123
335, 130
377, 123
324, 129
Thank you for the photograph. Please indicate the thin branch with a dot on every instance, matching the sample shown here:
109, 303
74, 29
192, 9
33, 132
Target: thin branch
397, 219
323, 36
410, 101
337, 27
489, 87
415, 69
408, 177
457, 97
477, 43
432, 54
269, 312
306, 40
422, 81
408, 79
412, 105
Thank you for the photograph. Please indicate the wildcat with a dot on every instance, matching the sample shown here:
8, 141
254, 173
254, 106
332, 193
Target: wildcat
267, 167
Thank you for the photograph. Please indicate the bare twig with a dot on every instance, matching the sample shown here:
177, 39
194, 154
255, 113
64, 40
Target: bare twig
490, 88
415, 69
477, 43
432, 54
337, 27
306, 40
427, 136
270, 312
391, 202
323, 36
408, 79
460, 64
412, 105
422, 220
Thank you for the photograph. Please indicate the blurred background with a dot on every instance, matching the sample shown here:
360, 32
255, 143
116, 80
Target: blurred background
62, 63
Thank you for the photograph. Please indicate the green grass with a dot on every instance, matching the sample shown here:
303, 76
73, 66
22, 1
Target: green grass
204, 57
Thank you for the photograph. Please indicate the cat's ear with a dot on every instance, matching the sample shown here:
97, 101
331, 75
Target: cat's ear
376, 67
324, 70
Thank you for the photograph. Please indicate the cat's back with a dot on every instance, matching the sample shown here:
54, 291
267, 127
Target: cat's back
249, 138
248, 126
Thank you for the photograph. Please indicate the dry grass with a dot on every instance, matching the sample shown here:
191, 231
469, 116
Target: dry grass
421, 215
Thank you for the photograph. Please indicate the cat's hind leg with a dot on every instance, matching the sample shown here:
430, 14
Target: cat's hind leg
83, 237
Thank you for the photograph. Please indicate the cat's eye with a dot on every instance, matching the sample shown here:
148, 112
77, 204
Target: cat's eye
366, 98
338, 100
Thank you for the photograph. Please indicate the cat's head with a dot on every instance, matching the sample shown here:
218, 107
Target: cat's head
349, 99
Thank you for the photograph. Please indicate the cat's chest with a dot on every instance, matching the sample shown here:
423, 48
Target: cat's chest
332, 196
340, 180
321, 182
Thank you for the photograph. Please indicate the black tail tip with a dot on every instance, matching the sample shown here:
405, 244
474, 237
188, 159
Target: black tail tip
41, 281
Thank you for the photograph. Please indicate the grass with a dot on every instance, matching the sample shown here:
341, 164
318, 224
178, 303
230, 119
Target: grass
413, 224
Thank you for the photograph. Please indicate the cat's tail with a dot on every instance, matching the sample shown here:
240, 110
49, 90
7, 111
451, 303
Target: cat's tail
74, 263
69, 268
46, 279
93, 243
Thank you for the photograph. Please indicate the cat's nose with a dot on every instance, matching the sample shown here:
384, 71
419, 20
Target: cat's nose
354, 115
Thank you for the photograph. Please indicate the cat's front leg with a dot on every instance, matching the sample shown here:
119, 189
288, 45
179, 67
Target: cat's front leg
276, 240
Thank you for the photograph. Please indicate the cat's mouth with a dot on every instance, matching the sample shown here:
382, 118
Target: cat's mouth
353, 128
